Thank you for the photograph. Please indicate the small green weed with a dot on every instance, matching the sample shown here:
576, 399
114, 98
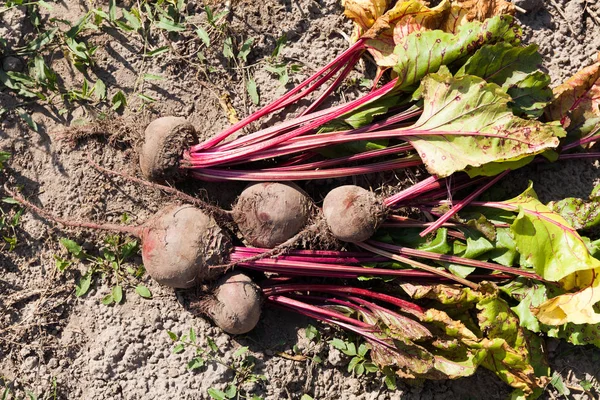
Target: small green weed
110, 265
10, 216
45, 393
242, 365
359, 363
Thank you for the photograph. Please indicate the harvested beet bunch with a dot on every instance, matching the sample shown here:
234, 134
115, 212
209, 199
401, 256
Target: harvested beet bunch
467, 114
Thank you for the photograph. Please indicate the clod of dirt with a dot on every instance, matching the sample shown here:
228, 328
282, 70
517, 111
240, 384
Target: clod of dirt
353, 214
12, 64
181, 246
267, 214
165, 140
235, 304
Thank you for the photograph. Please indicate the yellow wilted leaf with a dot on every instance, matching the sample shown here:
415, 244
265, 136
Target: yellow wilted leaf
480, 10
364, 13
583, 87
577, 308
405, 17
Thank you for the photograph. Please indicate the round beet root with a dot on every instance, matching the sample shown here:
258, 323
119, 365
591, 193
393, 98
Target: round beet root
352, 213
268, 214
165, 140
180, 244
235, 303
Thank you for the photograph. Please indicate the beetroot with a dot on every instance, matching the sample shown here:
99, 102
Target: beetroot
181, 245
352, 213
234, 304
268, 214
165, 140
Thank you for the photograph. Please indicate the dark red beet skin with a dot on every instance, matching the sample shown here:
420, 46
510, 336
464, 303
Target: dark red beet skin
180, 244
267, 214
234, 304
352, 213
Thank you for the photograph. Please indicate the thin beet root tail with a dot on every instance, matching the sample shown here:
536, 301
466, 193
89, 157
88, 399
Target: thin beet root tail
352, 213
179, 244
223, 216
234, 304
165, 141
268, 214
131, 230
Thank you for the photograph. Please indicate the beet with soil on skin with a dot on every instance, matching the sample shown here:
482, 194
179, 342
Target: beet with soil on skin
234, 304
180, 244
352, 213
267, 214
165, 140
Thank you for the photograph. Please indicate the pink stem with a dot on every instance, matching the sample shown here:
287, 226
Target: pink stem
310, 268
403, 304
317, 310
336, 64
454, 259
346, 159
236, 154
456, 208
347, 69
424, 185
273, 175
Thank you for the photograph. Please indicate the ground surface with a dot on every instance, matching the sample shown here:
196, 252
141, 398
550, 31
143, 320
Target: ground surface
53, 343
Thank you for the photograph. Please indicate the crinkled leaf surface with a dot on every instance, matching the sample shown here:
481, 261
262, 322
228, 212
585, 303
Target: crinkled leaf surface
364, 13
516, 70
546, 241
481, 10
403, 19
421, 53
570, 94
412, 361
530, 295
503, 346
466, 122
579, 213
508, 352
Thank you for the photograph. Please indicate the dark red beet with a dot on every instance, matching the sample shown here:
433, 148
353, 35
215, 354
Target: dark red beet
352, 213
165, 140
267, 214
235, 303
180, 244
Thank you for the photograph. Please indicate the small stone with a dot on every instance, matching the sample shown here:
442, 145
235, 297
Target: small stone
335, 357
529, 5
12, 64
30, 363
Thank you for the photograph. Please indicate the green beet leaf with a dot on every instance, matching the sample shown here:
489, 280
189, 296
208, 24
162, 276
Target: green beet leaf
546, 241
467, 122
515, 69
579, 213
423, 52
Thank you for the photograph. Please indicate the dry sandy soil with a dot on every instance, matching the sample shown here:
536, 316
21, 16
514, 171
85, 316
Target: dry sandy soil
57, 345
